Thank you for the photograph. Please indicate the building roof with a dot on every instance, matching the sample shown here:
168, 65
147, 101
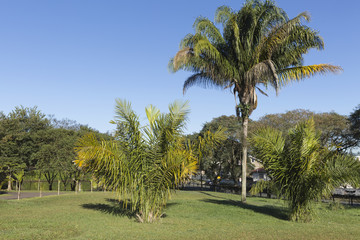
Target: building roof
258, 170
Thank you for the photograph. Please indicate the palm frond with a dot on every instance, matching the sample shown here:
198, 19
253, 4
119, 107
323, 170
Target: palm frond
236, 43
298, 73
180, 58
205, 27
281, 33
265, 72
262, 92
203, 80
260, 186
223, 14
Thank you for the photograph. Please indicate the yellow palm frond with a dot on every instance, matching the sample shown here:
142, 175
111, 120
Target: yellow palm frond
298, 73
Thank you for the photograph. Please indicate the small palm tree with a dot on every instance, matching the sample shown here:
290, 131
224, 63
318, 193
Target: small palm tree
19, 176
259, 47
301, 168
143, 164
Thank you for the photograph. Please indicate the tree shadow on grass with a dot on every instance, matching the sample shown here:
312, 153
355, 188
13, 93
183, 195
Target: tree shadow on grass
277, 212
211, 195
117, 208
114, 207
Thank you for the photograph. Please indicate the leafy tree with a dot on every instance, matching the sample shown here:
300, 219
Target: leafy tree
301, 167
354, 119
225, 158
2, 178
205, 145
143, 164
18, 131
230, 123
259, 46
223, 161
56, 153
334, 128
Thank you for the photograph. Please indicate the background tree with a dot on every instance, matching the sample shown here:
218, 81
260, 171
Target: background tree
56, 153
334, 128
225, 159
354, 119
259, 46
301, 167
31, 141
18, 131
205, 145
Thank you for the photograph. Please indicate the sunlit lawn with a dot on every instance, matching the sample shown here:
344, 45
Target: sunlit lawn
189, 215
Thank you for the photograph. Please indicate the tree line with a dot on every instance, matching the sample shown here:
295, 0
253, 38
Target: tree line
40, 146
338, 133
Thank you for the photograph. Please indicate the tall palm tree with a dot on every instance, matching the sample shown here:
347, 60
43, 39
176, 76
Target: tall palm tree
301, 168
143, 164
259, 47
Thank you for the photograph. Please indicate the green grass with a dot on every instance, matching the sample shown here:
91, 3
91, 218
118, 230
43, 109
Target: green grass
189, 215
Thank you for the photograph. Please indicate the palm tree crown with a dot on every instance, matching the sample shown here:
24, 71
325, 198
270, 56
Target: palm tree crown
300, 167
143, 164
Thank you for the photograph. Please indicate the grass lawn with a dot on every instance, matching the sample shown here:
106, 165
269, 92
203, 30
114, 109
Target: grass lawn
189, 215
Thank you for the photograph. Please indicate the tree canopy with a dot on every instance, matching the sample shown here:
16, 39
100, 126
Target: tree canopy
335, 128
30, 141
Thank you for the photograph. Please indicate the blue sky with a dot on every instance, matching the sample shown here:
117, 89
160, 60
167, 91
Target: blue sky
73, 58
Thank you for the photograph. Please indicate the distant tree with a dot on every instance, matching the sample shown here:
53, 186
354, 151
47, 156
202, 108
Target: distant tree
230, 123
30, 141
224, 162
205, 145
225, 159
260, 46
354, 119
56, 153
55, 158
301, 167
2, 178
67, 171
335, 128
74, 173
18, 131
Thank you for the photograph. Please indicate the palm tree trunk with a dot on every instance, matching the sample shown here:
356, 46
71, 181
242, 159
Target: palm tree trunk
244, 157
19, 189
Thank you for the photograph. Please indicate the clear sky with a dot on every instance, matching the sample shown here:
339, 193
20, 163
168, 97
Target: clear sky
73, 58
